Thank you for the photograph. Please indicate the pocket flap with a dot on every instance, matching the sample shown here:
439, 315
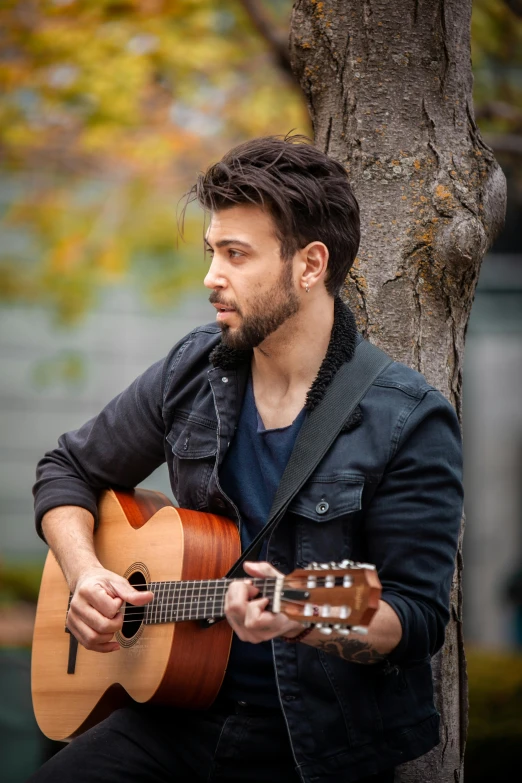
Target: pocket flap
324, 498
190, 439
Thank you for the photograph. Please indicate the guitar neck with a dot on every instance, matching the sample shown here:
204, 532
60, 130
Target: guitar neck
197, 600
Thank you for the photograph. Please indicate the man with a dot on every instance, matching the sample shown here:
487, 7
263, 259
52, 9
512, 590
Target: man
224, 409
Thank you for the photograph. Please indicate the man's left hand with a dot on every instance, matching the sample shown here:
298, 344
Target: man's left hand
247, 614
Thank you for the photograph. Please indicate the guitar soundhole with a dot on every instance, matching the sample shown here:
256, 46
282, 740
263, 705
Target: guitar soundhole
133, 617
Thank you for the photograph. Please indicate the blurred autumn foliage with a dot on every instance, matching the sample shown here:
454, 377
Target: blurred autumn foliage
108, 111
109, 108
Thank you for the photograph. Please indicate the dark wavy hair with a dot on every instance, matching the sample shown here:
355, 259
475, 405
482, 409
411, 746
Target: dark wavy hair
307, 194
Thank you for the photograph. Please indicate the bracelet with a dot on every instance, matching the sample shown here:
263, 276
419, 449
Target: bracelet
294, 639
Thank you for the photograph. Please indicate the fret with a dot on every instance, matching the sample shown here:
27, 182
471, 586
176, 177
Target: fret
188, 600
153, 604
160, 602
183, 588
199, 599
165, 604
175, 601
213, 593
157, 613
195, 603
146, 613
176, 598
168, 602
196, 600
207, 599
152, 586
156, 602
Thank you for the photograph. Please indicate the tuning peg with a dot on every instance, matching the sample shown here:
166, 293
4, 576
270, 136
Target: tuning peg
347, 580
362, 629
311, 582
346, 564
325, 629
341, 629
325, 566
329, 581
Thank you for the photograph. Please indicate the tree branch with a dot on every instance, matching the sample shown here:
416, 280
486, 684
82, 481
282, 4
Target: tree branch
266, 29
515, 6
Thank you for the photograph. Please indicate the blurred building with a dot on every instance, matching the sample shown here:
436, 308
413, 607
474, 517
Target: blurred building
53, 380
493, 457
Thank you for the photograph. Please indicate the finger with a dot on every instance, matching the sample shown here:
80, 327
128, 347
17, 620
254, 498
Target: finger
90, 639
93, 619
120, 588
107, 595
239, 594
261, 569
96, 595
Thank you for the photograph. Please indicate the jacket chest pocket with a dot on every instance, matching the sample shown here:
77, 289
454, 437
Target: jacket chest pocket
328, 510
194, 446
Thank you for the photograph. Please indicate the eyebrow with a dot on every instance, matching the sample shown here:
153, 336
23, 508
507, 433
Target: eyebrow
226, 242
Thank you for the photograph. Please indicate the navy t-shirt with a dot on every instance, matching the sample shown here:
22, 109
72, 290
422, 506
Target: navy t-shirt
250, 475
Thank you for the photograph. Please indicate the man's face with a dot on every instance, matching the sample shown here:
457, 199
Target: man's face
252, 287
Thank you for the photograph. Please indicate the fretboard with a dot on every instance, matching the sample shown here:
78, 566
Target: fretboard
195, 600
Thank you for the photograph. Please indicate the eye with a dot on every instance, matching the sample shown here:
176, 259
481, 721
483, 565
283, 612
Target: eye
235, 254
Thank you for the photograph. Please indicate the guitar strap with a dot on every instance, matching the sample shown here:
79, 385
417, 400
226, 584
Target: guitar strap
319, 430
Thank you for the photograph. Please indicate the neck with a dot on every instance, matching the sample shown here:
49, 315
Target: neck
291, 357
340, 349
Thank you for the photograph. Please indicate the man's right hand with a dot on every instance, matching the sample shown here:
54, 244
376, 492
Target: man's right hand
95, 612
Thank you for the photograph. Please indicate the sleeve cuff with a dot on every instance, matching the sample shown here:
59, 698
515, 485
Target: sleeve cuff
64, 492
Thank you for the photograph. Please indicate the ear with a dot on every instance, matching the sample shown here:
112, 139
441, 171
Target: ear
314, 263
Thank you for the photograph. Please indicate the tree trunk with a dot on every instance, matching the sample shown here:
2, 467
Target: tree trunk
389, 88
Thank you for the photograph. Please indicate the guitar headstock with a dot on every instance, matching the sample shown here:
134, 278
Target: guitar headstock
333, 596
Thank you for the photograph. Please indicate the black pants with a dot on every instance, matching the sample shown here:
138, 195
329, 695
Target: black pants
145, 744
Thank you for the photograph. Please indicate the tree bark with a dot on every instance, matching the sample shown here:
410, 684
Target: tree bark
389, 89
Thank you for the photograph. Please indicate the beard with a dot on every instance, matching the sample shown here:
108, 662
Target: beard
267, 314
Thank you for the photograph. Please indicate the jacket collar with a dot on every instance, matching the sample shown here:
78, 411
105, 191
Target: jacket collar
340, 350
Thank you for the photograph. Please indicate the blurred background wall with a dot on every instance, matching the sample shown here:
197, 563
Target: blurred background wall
108, 111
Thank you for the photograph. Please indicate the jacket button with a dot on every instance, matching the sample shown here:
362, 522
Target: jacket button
225, 380
322, 507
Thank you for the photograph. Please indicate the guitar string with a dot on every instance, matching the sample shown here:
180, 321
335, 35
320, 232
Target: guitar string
196, 606
187, 591
171, 600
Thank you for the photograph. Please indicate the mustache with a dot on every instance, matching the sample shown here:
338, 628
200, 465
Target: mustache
215, 298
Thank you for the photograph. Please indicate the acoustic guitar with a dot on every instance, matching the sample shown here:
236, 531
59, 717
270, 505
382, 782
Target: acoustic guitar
175, 649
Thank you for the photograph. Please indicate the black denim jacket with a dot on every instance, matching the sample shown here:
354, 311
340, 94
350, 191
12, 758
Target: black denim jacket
389, 492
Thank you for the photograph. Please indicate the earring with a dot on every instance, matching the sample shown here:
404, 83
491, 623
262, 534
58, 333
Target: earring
307, 288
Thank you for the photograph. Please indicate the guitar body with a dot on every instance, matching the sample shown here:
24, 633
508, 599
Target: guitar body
143, 537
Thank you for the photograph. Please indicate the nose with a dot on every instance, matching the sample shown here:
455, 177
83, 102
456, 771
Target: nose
214, 277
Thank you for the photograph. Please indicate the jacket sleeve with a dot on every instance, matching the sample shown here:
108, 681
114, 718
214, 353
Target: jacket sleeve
413, 523
119, 447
